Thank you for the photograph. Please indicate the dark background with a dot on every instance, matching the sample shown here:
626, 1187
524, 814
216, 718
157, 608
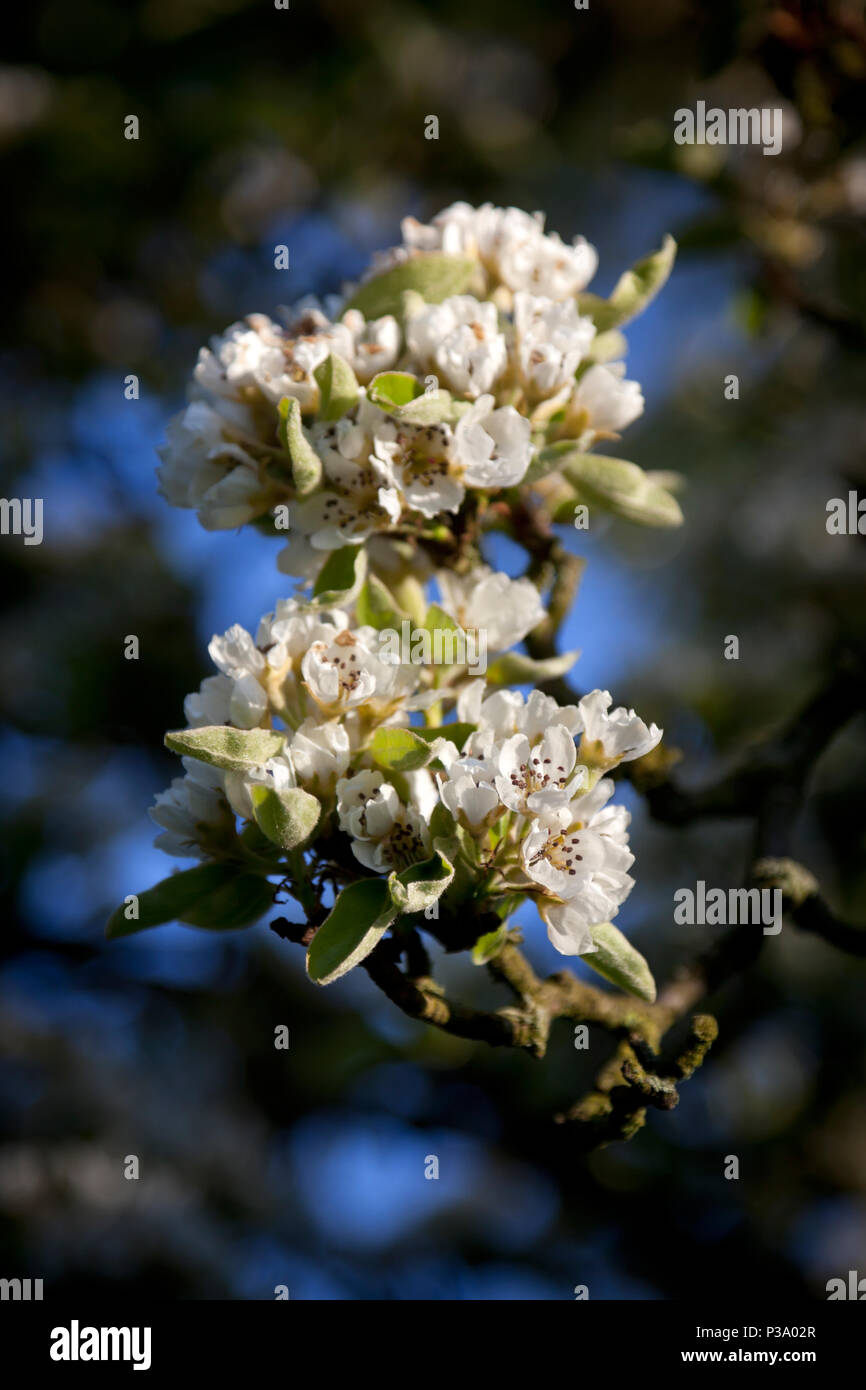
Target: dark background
306, 1168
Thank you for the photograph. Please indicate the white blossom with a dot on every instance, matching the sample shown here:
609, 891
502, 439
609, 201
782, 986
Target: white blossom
420, 458
199, 460
385, 833
320, 753
210, 703
467, 789
512, 246
191, 807
581, 860
460, 338
368, 346
506, 609
551, 340
492, 446
603, 402
347, 672
539, 780
613, 736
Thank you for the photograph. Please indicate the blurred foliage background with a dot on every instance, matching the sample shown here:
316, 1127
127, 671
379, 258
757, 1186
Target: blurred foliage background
305, 126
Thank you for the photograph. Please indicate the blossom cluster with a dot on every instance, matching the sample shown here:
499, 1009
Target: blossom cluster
461, 356
512, 787
366, 750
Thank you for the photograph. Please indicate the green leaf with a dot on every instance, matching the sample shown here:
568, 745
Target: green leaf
548, 459
430, 408
391, 389
607, 347
442, 823
398, 750
633, 291
288, 817
617, 960
421, 885
489, 945
620, 487
433, 274
210, 895
234, 750
516, 669
338, 387
239, 902
256, 842
506, 906
376, 606
306, 464
359, 918
457, 733
341, 576
437, 620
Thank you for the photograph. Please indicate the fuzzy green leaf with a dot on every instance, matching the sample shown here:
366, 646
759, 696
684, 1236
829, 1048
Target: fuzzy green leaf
216, 896
398, 750
376, 606
433, 275
288, 817
341, 576
359, 918
306, 464
430, 408
489, 945
633, 291
338, 387
390, 390
616, 960
421, 885
516, 669
620, 487
233, 750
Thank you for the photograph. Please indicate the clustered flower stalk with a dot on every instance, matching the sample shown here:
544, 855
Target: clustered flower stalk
365, 751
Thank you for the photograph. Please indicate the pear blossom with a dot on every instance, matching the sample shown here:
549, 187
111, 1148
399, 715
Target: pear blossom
506, 609
368, 346
602, 403
347, 672
492, 446
512, 246
506, 712
385, 833
460, 338
192, 811
616, 736
205, 467
551, 340
278, 774
420, 458
581, 860
539, 780
320, 753
467, 789
287, 633
210, 703
236, 654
